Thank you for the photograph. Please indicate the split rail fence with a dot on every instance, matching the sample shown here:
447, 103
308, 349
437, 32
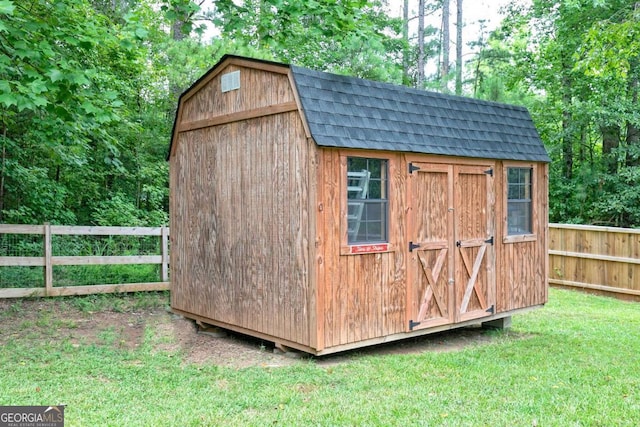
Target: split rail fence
53, 260
602, 259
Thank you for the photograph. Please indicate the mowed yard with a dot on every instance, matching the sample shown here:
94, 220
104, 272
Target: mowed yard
118, 361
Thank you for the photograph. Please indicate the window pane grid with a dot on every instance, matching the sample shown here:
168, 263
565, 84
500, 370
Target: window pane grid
373, 223
519, 206
367, 200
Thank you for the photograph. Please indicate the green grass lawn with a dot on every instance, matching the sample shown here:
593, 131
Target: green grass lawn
575, 362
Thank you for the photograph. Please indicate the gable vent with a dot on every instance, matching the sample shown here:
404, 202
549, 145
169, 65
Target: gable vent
230, 81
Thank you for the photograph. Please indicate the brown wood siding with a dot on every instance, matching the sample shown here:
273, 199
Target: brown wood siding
259, 235
258, 89
475, 223
430, 229
240, 208
364, 296
522, 266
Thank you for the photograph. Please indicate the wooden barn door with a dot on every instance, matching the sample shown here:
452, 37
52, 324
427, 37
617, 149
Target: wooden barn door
430, 247
474, 208
451, 257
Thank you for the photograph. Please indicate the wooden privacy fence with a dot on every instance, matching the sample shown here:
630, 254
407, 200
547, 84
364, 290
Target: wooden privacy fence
604, 259
54, 258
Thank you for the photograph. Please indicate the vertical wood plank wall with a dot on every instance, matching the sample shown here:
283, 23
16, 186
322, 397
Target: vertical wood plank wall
364, 296
258, 89
430, 223
522, 267
240, 212
474, 219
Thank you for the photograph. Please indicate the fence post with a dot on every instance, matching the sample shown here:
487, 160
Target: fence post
164, 235
48, 266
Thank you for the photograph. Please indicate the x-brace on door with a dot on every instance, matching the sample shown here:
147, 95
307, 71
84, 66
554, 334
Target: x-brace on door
451, 256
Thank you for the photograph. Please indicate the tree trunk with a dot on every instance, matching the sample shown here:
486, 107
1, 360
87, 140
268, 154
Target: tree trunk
405, 37
586, 149
420, 77
567, 118
633, 132
633, 145
567, 146
459, 47
177, 34
444, 68
4, 161
610, 142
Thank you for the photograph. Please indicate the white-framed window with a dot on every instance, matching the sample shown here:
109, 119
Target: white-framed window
367, 200
519, 202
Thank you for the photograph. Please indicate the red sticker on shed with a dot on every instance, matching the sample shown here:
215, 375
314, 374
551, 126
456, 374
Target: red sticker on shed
367, 249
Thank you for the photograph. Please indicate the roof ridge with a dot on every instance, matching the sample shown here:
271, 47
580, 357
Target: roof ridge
395, 87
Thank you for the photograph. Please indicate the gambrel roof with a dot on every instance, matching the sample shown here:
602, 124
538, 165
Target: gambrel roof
349, 112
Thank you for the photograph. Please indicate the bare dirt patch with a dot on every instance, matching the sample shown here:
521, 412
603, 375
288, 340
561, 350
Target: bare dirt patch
177, 333
163, 331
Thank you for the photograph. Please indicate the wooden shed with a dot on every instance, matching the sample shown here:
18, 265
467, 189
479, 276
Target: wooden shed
324, 212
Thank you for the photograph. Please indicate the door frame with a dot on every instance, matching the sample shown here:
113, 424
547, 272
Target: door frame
413, 321
452, 168
486, 245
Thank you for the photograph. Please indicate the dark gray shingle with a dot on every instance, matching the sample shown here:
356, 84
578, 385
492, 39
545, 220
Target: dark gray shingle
353, 113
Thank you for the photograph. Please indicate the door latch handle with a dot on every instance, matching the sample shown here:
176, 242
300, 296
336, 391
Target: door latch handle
459, 243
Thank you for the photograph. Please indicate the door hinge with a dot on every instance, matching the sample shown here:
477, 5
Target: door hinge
459, 243
413, 246
413, 168
491, 309
489, 241
413, 324
489, 172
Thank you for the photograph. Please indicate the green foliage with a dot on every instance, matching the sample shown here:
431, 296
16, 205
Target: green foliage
56, 100
575, 64
105, 274
353, 36
21, 277
82, 128
89, 89
620, 200
117, 210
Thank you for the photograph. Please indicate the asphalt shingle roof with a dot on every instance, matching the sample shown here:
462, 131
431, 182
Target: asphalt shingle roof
349, 112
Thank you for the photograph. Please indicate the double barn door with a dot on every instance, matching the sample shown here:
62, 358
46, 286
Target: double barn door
451, 253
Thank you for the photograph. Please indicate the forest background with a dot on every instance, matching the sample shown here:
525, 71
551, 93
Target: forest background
88, 89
